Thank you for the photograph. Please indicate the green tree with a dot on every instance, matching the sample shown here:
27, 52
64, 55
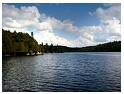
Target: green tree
21, 47
51, 50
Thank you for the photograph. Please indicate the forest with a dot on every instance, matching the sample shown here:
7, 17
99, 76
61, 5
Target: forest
18, 43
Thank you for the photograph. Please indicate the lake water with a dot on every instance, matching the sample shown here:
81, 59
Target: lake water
63, 72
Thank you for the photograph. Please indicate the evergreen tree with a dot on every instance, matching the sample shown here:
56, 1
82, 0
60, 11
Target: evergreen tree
13, 43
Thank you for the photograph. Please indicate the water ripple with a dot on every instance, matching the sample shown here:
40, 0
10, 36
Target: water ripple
65, 72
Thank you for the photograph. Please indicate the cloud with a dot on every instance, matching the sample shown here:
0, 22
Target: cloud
28, 19
65, 25
113, 12
91, 14
9, 22
20, 18
83, 41
45, 26
49, 37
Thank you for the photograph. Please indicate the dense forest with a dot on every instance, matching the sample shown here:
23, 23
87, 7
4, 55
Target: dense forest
18, 43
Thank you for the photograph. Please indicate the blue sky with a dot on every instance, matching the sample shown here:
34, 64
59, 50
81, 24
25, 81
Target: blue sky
76, 12
69, 24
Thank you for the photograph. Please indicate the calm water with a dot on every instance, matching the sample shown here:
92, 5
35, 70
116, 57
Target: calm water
84, 72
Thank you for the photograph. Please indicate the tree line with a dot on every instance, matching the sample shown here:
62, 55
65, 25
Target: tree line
18, 43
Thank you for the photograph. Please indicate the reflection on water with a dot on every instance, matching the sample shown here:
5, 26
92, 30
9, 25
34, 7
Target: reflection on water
83, 72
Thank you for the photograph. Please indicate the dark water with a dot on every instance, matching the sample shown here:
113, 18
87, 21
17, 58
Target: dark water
65, 72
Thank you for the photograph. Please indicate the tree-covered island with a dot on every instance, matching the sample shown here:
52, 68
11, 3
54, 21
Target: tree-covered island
18, 44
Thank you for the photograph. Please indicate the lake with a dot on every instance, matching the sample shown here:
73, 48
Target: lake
63, 72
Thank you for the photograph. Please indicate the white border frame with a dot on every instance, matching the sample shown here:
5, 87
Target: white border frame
68, 1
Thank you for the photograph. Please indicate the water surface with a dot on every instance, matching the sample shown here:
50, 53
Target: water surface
64, 72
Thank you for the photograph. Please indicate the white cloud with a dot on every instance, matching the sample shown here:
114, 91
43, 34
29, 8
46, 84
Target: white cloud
65, 25
82, 42
91, 14
112, 26
112, 38
9, 22
50, 37
45, 26
26, 18
110, 13
23, 17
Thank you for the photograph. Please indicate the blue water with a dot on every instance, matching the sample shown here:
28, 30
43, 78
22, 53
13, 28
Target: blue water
63, 72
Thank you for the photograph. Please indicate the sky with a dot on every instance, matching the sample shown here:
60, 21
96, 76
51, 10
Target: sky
67, 24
